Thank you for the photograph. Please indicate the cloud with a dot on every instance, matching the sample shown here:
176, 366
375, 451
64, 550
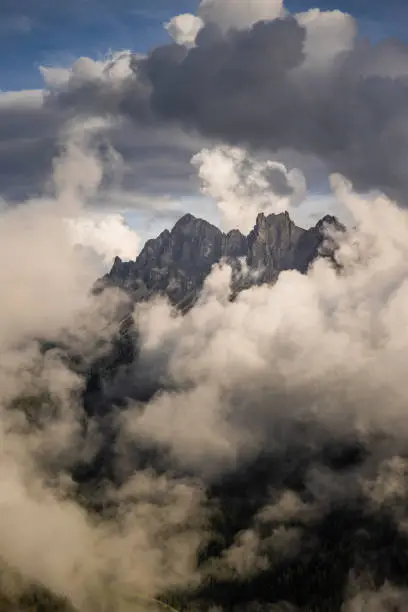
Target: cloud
90, 562
228, 14
386, 598
156, 157
243, 186
251, 554
109, 236
28, 133
287, 370
149, 540
184, 28
257, 78
302, 382
224, 14
290, 370
36, 244
55, 76
272, 87
328, 34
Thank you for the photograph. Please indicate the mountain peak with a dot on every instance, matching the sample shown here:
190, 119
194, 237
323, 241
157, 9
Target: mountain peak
186, 219
189, 223
272, 218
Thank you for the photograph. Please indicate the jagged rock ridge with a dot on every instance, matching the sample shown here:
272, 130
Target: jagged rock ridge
177, 262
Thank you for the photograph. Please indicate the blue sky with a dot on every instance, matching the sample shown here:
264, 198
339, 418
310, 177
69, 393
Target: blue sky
49, 32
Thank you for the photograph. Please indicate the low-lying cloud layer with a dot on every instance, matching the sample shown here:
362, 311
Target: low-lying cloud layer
285, 373
289, 372
48, 536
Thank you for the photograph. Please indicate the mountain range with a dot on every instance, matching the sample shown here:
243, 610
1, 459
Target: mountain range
177, 262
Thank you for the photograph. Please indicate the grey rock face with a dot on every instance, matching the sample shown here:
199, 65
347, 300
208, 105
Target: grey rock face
272, 245
177, 262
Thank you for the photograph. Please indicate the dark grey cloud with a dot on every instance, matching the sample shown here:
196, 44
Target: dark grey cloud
27, 143
224, 74
278, 181
156, 155
248, 87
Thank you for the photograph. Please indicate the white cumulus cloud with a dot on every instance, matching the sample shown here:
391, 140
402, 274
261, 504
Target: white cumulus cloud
243, 186
108, 235
184, 28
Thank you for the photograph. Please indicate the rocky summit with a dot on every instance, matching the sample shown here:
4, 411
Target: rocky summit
177, 262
